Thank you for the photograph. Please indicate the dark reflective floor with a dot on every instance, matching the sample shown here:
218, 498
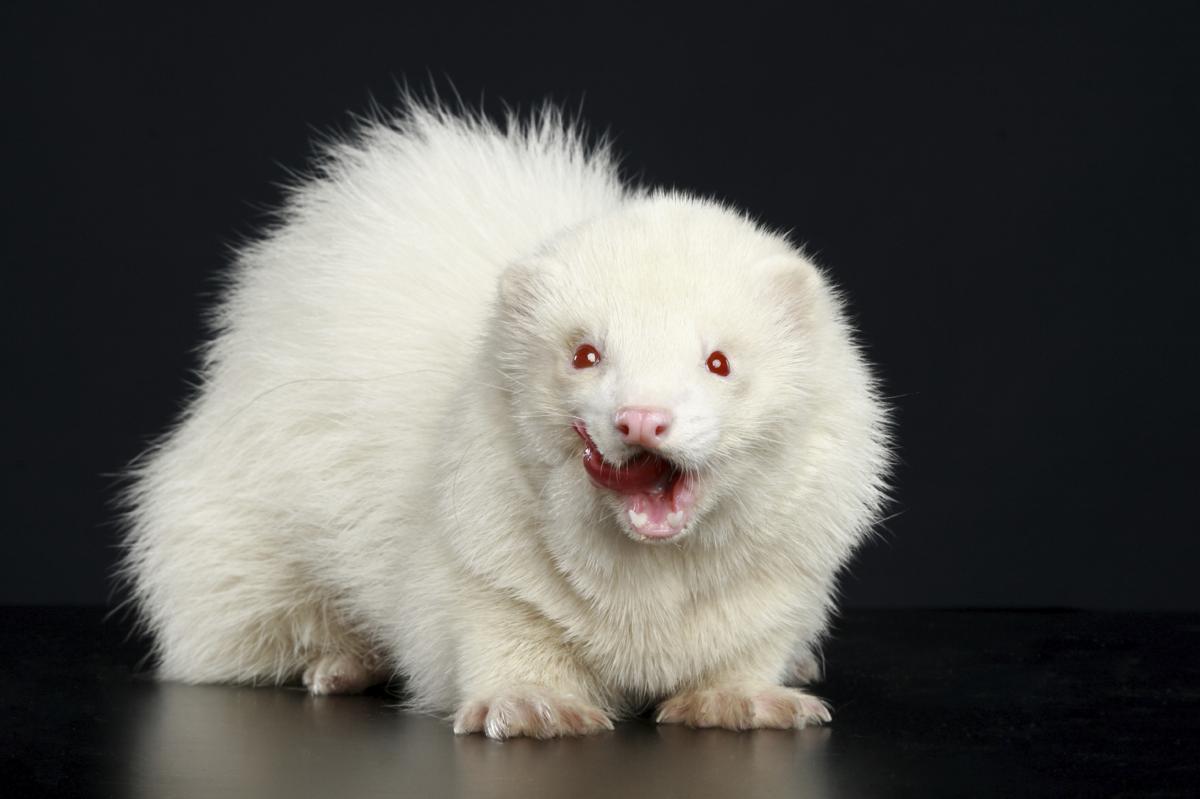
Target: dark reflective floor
926, 704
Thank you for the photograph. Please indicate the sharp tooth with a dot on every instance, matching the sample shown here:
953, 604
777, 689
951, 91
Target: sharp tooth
675, 519
638, 519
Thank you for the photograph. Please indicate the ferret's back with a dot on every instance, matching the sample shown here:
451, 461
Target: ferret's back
392, 254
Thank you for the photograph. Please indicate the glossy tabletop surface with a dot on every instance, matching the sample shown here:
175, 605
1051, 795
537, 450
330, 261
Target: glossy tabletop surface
926, 703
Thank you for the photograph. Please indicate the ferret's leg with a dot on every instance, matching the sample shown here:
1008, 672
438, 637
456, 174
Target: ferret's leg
519, 679
262, 637
746, 695
349, 672
806, 666
228, 601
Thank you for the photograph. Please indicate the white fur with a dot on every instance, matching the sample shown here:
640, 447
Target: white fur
379, 461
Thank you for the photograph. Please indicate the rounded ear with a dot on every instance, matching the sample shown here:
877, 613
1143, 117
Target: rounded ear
797, 285
520, 287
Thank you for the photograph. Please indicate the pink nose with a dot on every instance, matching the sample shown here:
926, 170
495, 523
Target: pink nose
644, 426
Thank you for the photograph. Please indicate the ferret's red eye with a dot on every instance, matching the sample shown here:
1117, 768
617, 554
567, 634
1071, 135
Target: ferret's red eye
586, 356
718, 364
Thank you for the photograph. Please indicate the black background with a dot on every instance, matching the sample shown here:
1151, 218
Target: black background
1007, 193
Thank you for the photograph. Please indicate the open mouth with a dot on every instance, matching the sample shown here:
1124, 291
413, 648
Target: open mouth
657, 496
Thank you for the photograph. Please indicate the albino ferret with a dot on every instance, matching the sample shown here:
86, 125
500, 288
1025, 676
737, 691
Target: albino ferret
552, 448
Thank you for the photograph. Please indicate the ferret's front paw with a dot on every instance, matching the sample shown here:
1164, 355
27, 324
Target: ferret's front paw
773, 707
530, 711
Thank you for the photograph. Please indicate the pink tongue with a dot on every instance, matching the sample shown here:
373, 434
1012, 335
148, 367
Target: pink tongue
644, 474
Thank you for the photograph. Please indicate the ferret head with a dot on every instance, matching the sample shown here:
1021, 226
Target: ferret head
657, 361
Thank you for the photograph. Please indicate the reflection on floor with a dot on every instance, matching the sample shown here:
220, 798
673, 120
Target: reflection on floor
929, 703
